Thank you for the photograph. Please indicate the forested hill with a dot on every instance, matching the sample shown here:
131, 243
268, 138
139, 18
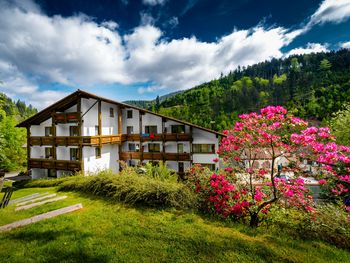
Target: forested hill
12, 154
313, 86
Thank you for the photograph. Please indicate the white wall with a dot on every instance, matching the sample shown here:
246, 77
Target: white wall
39, 130
174, 165
62, 129
74, 108
169, 123
109, 124
37, 152
131, 122
204, 137
63, 152
171, 147
38, 173
109, 158
90, 119
151, 120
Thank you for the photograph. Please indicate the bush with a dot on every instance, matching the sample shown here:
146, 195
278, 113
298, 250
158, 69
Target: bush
329, 224
129, 188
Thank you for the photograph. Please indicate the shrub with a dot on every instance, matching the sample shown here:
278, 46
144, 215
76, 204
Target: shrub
129, 188
330, 223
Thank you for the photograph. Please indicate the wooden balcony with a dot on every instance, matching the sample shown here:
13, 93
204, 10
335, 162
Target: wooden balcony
155, 156
55, 164
67, 117
158, 137
75, 140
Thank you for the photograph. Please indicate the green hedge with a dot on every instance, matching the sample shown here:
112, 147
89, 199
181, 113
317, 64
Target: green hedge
127, 188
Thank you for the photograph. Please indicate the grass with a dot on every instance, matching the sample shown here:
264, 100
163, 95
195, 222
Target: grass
104, 231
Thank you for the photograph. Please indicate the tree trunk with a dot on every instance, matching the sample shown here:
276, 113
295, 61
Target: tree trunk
254, 220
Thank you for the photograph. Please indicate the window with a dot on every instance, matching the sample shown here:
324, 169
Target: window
177, 128
129, 129
97, 130
151, 129
48, 152
129, 114
154, 147
180, 147
73, 130
203, 148
74, 154
111, 112
48, 131
132, 147
98, 152
52, 173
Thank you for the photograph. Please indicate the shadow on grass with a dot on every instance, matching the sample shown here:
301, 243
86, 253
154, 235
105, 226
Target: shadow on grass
58, 246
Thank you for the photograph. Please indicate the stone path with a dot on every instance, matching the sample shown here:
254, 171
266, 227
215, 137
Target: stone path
40, 217
25, 207
27, 197
36, 199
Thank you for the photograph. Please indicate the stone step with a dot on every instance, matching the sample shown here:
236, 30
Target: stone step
25, 207
40, 217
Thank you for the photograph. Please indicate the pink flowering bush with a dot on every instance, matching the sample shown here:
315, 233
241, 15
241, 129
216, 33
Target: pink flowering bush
255, 149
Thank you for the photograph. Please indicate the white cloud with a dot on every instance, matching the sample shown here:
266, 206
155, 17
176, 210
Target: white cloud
345, 45
153, 2
310, 48
335, 11
78, 51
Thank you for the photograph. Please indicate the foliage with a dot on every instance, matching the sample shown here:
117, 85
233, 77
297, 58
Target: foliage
159, 171
12, 139
105, 231
310, 85
340, 124
129, 188
248, 188
330, 223
12, 153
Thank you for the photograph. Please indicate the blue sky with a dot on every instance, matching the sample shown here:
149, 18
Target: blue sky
138, 49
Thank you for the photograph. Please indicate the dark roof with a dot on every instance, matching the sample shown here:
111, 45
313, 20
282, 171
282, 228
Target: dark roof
71, 100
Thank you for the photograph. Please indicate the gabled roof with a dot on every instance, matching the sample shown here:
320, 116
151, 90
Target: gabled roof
71, 100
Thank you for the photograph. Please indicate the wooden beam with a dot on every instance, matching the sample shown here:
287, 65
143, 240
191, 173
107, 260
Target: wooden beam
120, 127
191, 140
80, 132
140, 129
28, 147
54, 132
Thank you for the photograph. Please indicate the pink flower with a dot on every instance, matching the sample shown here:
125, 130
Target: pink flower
322, 182
215, 160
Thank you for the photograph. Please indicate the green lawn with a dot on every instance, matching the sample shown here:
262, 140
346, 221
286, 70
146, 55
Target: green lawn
108, 232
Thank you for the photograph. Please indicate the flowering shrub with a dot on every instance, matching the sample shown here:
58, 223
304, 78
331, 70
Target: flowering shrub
257, 145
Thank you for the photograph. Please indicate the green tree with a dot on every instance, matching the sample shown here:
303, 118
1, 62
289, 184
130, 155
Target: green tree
325, 65
340, 124
12, 139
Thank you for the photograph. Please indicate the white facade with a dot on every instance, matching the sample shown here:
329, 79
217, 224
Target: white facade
87, 150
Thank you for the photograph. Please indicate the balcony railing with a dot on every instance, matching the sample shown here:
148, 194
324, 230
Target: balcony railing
67, 117
55, 164
159, 137
155, 156
74, 140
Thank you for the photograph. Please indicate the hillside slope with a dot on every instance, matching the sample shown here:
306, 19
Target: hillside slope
312, 86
